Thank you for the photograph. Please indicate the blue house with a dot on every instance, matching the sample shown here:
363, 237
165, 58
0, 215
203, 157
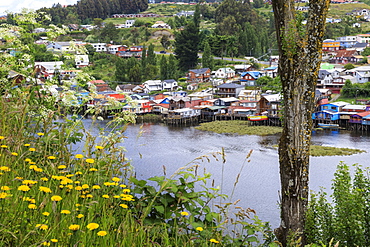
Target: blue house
329, 111
249, 78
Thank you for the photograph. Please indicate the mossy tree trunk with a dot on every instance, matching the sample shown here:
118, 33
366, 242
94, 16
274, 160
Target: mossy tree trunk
300, 48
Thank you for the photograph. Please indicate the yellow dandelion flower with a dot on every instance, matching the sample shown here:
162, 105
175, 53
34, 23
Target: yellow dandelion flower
69, 186
4, 146
32, 149
56, 198
40, 134
126, 190
28, 182
32, 167
2, 137
78, 173
14, 154
46, 243
116, 196
85, 186
31, 162
77, 182
3, 195
44, 179
32, 206
80, 216
92, 226
51, 157
102, 233
5, 169
37, 169
90, 161
99, 147
199, 228
27, 145
19, 178
96, 187
116, 179
74, 227
123, 205
24, 188
43, 227
105, 196
89, 196
54, 240
122, 186
5, 187
65, 212
46, 213
27, 160
69, 175
93, 169
45, 189
62, 167
212, 240
79, 156
184, 213
78, 188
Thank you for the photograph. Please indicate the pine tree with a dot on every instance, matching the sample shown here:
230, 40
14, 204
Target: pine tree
207, 58
186, 46
164, 68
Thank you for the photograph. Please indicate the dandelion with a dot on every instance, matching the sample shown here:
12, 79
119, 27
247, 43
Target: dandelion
32, 206
4, 146
5, 169
27, 160
92, 226
54, 240
46, 243
45, 189
184, 213
28, 182
89, 196
123, 205
14, 154
96, 187
38, 169
105, 196
85, 186
46, 213
5, 187
3, 195
79, 156
99, 147
126, 190
32, 149
122, 186
80, 216
78, 173
90, 161
24, 188
32, 167
42, 227
102, 233
51, 157
56, 198
74, 227
116, 196
27, 145
65, 212
62, 167
2, 137
40, 134
44, 179
115, 179
93, 169
212, 240
199, 228
78, 188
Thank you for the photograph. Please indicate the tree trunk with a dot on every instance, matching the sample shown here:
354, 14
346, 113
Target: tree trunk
300, 48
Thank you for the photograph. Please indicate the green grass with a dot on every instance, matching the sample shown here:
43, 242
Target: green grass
340, 10
333, 151
238, 127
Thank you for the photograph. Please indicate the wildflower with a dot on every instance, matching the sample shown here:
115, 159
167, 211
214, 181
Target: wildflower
51, 157
69, 175
126, 190
74, 227
27, 160
28, 182
5, 169
32, 149
78, 173
62, 167
115, 179
122, 186
4, 146
45, 189
38, 169
79, 156
93, 169
2, 137
24, 188
40, 134
212, 240
32, 167
32, 206
85, 186
90, 161
109, 184
42, 227
123, 205
126, 197
78, 188
46, 243
184, 213
14, 154
105, 196
199, 228
96, 187
27, 145
56, 198
19, 178
54, 240
102, 233
99, 147
5, 187
3, 195
46, 213
80, 216
92, 226
116, 196
65, 212
89, 196
44, 179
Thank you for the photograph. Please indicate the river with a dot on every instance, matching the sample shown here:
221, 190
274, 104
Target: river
160, 145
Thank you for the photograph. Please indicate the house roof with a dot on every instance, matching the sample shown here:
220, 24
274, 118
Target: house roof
97, 82
199, 71
230, 85
272, 97
254, 74
362, 114
354, 107
345, 53
169, 80
229, 99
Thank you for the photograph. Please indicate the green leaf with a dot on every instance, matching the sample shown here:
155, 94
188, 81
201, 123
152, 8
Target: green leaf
252, 239
159, 209
137, 182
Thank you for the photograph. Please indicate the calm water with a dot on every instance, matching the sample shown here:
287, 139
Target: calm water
258, 188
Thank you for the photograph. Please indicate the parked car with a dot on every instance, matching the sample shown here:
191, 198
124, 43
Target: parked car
162, 52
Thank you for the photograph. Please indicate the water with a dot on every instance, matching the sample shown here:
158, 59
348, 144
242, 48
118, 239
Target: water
258, 188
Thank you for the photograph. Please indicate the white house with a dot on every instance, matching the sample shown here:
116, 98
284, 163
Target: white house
81, 61
169, 85
225, 73
99, 47
152, 85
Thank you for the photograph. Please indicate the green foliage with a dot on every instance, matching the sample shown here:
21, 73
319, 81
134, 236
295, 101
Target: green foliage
347, 218
349, 66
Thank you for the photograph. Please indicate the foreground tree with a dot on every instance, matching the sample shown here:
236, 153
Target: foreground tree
300, 57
